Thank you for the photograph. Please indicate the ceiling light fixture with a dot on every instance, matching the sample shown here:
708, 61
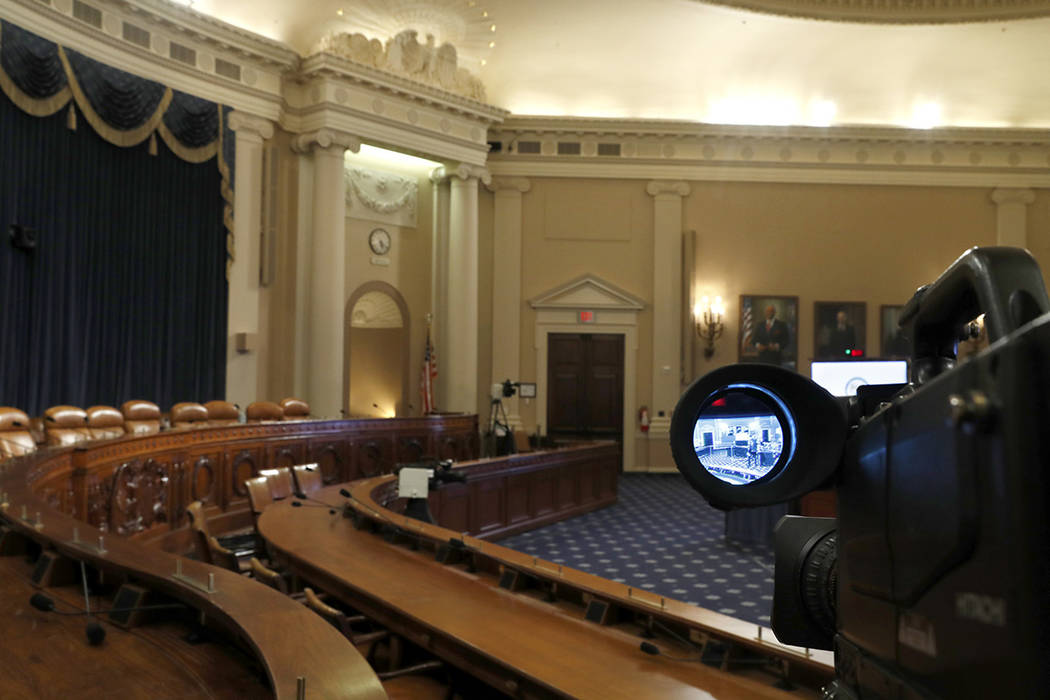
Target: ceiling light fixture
926, 115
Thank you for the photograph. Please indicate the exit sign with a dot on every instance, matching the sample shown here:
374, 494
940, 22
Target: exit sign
586, 317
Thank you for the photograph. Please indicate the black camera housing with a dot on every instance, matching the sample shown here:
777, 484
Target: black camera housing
942, 584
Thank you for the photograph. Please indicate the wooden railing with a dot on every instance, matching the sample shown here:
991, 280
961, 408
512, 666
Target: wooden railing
140, 486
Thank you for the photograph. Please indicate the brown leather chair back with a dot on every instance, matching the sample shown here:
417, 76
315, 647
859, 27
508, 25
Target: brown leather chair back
141, 417
222, 413
15, 437
258, 411
307, 477
66, 425
258, 495
295, 409
105, 423
220, 556
188, 415
280, 481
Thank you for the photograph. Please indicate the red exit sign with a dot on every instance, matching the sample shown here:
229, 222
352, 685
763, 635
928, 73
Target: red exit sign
586, 317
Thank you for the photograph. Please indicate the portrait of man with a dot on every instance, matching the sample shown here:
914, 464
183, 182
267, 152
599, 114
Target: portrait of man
839, 330
895, 343
768, 330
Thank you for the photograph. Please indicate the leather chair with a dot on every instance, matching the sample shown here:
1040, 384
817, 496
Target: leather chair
307, 477
188, 414
15, 438
141, 417
295, 409
259, 496
279, 481
240, 547
222, 413
105, 423
259, 411
66, 425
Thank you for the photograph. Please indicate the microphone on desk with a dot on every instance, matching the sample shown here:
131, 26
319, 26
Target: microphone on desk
653, 650
300, 504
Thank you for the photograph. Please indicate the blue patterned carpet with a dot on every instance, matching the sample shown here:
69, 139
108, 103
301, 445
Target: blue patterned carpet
663, 537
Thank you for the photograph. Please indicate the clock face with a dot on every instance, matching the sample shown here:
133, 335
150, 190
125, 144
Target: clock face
379, 241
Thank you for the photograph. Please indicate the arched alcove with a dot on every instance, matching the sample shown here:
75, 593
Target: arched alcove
376, 375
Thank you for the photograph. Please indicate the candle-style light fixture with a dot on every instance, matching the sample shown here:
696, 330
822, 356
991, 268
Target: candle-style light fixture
707, 318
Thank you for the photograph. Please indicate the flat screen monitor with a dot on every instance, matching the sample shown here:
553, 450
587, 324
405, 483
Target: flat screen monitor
843, 378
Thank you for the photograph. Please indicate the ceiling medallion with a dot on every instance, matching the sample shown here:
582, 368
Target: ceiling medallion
896, 11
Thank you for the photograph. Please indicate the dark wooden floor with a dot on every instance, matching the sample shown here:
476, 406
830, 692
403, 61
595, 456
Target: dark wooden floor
47, 655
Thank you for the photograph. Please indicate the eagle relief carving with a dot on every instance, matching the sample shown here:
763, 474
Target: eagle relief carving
405, 55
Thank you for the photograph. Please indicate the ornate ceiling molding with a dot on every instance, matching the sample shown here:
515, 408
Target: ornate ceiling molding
896, 11
663, 150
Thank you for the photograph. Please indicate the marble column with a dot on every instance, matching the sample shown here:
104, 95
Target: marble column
459, 328
667, 302
439, 282
242, 367
1012, 219
506, 286
326, 293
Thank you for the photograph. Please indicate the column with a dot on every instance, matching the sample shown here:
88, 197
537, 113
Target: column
327, 285
439, 282
506, 286
460, 325
242, 365
667, 304
1012, 219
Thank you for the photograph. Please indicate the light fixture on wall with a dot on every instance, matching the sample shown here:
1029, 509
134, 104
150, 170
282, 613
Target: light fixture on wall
707, 319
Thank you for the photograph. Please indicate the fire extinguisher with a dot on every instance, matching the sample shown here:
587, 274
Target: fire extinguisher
643, 419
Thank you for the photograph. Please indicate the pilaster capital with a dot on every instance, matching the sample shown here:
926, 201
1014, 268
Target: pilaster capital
249, 125
464, 171
1013, 195
673, 187
512, 184
323, 139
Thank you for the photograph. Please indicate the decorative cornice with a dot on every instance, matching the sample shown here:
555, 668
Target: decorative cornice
323, 139
244, 123
1013, 195
599, 294
381, 192
221, 36
512, 184
667, 187
463, 171
666, 150
331, 66
896, 11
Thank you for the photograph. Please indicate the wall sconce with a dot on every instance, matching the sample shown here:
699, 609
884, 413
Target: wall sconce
707, 318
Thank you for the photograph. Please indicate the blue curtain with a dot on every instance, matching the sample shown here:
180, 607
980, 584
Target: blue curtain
125, 294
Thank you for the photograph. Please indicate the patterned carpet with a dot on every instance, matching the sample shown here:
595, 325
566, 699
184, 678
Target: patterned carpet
663, 537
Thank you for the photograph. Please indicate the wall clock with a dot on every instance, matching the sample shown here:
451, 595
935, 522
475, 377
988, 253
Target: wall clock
379, 241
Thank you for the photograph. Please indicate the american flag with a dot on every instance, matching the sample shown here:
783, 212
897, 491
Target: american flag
430, 373
745, 327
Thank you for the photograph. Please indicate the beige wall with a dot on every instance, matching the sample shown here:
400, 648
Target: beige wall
827, 243
1039, 230
375, 371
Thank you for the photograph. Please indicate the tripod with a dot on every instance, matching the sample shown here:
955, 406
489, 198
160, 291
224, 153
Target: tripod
498, 435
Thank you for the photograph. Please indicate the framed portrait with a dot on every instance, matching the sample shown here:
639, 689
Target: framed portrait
768, 330
839, 329
893, 341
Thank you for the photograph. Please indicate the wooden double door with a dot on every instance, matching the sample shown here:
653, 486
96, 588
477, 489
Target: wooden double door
585, 386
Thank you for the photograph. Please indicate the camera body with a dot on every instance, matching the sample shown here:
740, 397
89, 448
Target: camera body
942, 582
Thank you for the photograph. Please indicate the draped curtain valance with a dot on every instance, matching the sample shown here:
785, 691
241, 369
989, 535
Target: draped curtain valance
41, 78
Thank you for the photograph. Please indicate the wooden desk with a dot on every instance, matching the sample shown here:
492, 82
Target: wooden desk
514, 641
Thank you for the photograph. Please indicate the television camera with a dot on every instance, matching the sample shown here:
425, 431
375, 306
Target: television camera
934, 580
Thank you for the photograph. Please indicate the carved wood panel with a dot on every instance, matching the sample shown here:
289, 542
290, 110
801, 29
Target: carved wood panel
541, 493
455, 507
203, 479
243, 466
517, 498
411, 448
333, 460
489, 500
372, 458
139, 496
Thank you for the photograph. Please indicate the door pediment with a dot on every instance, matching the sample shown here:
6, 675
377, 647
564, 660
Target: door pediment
587, 292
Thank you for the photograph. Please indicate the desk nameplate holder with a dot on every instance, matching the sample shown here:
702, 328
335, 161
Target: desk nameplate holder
99, 548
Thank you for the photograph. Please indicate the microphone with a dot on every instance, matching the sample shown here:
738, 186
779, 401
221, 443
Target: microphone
96, 633
653, 650
300, 504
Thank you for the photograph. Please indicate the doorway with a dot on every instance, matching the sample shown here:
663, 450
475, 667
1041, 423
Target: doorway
585, 386
377, 340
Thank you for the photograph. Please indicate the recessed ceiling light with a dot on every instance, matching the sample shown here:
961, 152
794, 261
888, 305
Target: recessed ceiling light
925, 115
483, 62
492, 44
339, 12
492, 28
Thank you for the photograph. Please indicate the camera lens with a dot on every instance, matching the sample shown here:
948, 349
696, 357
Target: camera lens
819, 582
738, 436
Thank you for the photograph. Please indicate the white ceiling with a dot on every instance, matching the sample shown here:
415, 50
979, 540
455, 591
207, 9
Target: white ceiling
684, 60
